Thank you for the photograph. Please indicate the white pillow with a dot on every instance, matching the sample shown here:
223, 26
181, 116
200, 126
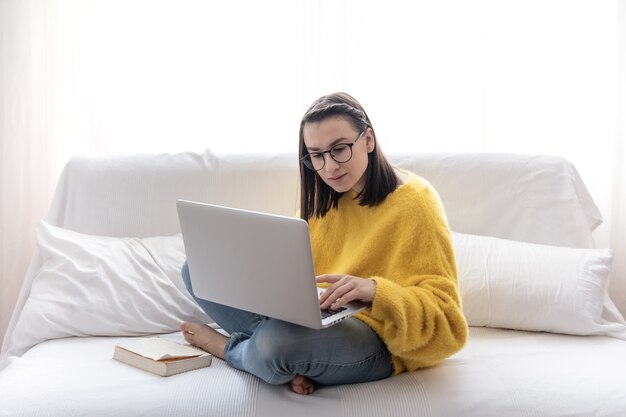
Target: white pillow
104, 286
527, 286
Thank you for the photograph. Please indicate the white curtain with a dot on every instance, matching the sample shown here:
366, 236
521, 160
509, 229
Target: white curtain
534, 76
28, 144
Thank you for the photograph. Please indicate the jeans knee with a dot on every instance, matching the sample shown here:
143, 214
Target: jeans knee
278, 347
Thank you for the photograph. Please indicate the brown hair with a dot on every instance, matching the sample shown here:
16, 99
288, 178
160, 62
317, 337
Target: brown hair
317, 197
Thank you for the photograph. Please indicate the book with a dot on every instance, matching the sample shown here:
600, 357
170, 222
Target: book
161, 356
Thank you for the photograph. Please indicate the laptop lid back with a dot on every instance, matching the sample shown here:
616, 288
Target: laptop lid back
252, 261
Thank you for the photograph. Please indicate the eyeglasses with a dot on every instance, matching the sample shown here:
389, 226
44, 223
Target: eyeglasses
341, 153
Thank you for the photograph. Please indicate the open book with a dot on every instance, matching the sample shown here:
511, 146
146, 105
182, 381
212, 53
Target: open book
161, 356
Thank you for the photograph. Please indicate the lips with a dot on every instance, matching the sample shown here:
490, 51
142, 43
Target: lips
337, 178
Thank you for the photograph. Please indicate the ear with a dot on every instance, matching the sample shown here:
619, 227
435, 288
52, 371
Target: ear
370, 142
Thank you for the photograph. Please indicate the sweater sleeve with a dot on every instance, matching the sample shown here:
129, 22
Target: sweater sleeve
417, 308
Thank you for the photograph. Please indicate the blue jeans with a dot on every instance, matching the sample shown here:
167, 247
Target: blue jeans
275, 351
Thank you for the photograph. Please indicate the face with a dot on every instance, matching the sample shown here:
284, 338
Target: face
321, 136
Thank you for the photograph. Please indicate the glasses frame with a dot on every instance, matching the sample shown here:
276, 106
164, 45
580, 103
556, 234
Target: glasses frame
329, 152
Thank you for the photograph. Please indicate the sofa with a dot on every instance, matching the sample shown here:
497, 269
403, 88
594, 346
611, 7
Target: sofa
545, 338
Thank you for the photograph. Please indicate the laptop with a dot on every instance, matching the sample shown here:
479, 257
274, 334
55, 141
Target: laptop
255, 262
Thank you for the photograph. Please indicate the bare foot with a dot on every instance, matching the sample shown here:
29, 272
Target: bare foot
302, 385
205, 338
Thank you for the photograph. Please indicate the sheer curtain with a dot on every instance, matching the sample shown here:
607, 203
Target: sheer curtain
537, 76
28, 143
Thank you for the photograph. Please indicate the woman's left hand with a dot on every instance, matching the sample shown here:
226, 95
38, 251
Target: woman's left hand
345, 288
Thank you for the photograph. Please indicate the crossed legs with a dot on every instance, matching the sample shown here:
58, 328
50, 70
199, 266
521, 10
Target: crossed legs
280, 352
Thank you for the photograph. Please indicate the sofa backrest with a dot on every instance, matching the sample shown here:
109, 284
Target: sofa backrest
531, 198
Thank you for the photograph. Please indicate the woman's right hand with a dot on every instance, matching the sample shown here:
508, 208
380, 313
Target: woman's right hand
345, 288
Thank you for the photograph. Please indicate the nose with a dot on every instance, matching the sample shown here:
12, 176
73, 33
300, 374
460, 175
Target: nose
330, 164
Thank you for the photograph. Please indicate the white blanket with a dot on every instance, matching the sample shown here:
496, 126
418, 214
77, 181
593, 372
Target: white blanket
499, 373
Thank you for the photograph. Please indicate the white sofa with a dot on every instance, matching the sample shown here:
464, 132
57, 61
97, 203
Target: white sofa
545, 339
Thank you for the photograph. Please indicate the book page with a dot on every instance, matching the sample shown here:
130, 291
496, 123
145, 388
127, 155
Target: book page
157, 349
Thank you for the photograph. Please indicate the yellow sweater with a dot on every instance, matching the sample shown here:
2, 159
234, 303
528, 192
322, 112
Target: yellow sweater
404, 245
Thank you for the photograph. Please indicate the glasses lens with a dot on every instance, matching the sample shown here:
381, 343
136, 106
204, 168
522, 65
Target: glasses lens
341, 153
314, 161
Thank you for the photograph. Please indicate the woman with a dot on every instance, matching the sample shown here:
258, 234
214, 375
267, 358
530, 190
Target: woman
378, 235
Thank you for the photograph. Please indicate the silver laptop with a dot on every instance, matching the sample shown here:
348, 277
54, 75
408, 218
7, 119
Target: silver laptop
255, 262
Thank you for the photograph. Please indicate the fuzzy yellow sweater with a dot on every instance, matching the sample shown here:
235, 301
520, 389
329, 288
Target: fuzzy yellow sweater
404, 245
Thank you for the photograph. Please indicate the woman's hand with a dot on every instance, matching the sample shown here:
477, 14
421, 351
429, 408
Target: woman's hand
345, 288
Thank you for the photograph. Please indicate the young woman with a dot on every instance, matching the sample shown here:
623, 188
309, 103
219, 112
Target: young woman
379, 235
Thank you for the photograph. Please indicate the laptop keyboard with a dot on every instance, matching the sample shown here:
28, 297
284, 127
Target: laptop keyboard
328, 312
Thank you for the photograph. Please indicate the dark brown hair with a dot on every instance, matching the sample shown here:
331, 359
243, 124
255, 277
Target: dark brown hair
317, 197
